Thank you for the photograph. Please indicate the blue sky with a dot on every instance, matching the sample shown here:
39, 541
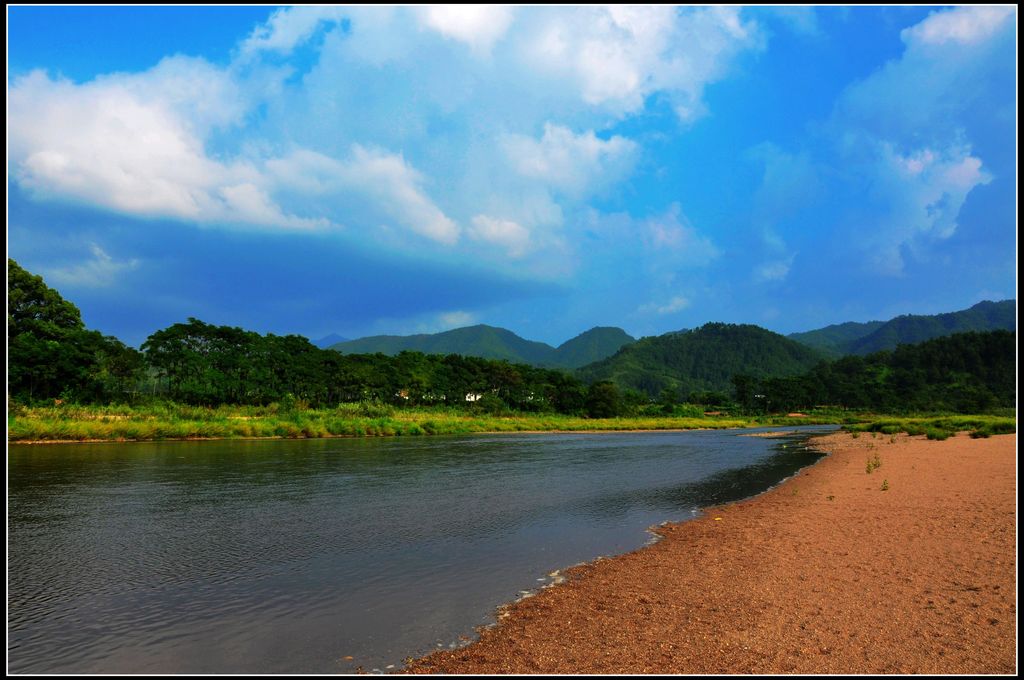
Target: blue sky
366, 170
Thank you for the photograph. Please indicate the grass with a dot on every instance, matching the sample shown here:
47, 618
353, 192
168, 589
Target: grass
938, 427
165, 420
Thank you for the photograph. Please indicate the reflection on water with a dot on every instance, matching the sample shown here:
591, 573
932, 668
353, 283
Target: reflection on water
287, 556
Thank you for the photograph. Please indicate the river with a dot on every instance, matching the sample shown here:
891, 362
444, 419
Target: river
328, 555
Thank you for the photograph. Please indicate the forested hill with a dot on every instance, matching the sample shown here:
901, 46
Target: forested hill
704, 359
835, 340
590, 346
874, 336
965, 372
489, 342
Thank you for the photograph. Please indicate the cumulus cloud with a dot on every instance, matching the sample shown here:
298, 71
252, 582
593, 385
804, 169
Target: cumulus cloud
289, 27
479, 26
393, 186
569, 162
385, 122
618, 56
966, 25
128, 144
504, 233
899, 139
398, 187
100, 271
948, 60
919, 195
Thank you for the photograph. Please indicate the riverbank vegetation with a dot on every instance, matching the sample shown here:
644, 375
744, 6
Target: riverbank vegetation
178, 421
940, 427
195, 379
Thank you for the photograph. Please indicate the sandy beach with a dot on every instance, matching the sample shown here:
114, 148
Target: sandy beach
826, 573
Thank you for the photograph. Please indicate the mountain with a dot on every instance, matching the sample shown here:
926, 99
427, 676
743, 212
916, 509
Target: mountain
702, 359
591, 346
483, 341
490, 342
911, 328
874, 336
328, 340
833, 340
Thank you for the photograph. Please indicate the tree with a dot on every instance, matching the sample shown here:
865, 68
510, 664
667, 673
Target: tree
603, 400
49, 351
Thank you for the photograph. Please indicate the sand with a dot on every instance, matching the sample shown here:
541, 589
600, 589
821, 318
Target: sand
826, 573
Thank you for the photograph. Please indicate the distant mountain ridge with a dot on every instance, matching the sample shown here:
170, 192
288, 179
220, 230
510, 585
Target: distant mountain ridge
490, 342
874, 336
704, 359
328, 340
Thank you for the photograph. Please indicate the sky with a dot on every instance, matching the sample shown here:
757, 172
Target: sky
370, 170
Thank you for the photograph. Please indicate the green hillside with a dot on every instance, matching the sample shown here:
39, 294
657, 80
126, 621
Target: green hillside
702, 359
483, 341
875, 336
835, 339
913, 328
489, 342
591, 346
964, 372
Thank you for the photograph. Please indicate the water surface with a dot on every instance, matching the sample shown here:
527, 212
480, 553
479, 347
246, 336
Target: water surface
287, 556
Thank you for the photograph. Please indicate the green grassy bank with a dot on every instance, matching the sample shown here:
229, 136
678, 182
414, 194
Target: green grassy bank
940, 427
176, 421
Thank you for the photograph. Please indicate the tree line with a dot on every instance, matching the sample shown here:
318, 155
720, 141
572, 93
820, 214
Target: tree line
51, 355
966, 372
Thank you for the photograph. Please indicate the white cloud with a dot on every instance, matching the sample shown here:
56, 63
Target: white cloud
900, 134
933, 83
456, 319
505, 233
382, 122
435, 322
964, 25
289, 27
569, 162
128, 144
920, 195
672, 233
385, 182
479, 26
676, 304
774, 270
618, 56
101, 271
397, 185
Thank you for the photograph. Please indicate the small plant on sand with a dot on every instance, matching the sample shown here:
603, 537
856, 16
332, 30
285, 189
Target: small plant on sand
885, 485
855, 434
830, 497
876, 461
